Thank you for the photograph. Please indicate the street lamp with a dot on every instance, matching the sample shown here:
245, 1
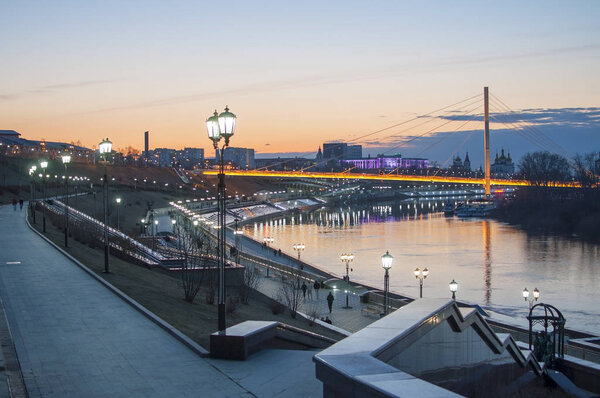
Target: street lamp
105, 147
32, 189
154, 227
118, 200
536, 296
221, 126
43, 165
267, 240
386, 263
66, 159
347, 258
299, 247
142, 225
453, 288
421, 275
237, 232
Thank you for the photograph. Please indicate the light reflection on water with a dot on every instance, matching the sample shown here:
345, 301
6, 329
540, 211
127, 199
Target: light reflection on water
492, 262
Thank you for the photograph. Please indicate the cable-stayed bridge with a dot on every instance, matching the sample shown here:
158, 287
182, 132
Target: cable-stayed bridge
475, 109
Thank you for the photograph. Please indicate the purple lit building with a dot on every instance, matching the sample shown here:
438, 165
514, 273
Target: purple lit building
386, 163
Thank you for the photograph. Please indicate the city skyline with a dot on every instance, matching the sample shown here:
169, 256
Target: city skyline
80, 72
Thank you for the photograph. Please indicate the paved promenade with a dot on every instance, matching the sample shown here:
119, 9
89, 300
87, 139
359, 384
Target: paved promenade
349, 319
75, 338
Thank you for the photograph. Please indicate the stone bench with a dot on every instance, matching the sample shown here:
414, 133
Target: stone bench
241, 340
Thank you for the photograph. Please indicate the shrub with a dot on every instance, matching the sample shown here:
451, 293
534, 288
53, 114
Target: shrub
232, 304
276, 306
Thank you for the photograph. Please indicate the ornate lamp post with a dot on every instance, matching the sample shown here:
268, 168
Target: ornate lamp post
386, 263
66, 159
221, 126
267, 240
347, 258
32, 189
118, 201
105, 148
536, 296
237, 232
43, 165
421, 275
154, 228
299, 247
453, 288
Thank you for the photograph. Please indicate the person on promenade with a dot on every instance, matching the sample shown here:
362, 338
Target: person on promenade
317, 286
304, 289
14, 202
20, 204
330, 301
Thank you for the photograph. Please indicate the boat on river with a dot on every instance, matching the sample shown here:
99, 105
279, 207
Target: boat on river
476, 208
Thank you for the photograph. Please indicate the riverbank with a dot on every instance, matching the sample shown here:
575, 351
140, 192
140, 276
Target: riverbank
565, 212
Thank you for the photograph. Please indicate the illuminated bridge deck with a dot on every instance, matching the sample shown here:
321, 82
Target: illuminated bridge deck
386, 177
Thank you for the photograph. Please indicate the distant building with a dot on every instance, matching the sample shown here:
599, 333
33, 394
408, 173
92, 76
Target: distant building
597, 165
354, 152
334, 150
459, 165
242, 158
319, 157
341, 150
11, 144
503, 166
188, 158
381, 162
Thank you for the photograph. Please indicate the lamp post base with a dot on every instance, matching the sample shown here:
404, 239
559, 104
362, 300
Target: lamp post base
221, 313
347, 307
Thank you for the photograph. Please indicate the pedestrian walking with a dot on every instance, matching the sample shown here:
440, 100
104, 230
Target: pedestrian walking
21, 204
304, 290
330, 301
316, 286
14, 202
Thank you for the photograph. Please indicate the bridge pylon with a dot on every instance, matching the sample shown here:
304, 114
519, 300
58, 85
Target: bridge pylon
486, 138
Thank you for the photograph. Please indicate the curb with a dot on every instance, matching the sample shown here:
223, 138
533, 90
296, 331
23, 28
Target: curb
157, 320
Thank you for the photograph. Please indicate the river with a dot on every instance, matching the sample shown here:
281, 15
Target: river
491, 261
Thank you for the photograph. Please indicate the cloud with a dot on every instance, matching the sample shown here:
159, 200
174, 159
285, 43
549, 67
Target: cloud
568, 117
53, 88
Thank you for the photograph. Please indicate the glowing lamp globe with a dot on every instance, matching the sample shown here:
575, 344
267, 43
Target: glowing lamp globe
386, 260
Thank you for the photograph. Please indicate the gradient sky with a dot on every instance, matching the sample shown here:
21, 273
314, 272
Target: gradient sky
295, 73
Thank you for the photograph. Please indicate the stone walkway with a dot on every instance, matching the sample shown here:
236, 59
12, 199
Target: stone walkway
75, 338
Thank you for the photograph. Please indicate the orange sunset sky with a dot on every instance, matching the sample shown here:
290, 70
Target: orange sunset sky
296, 74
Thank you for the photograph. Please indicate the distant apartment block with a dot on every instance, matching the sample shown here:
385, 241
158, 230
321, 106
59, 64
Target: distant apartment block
242, 158
186, 158
341, 150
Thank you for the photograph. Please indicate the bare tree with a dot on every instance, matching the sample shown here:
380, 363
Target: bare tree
250, 282
197, 252
291, 292
542, 168
583, 167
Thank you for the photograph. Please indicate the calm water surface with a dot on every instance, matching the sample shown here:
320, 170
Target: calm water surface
492, 262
